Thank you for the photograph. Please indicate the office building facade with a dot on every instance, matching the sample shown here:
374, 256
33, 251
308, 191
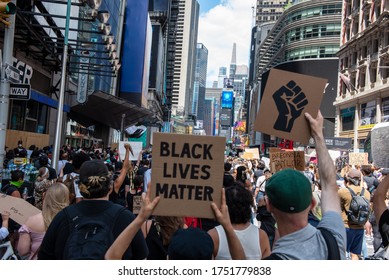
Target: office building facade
181, 56
363, 88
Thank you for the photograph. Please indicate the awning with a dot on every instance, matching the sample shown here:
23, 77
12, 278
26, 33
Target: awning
107, 109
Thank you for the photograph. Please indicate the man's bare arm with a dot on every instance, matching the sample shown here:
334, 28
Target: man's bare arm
329, 192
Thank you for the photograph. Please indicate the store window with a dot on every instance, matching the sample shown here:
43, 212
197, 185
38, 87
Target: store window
28, 116
347, 117
368, 113
385, 109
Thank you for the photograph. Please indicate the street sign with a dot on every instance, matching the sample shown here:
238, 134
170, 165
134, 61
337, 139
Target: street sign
20, 91
12, 74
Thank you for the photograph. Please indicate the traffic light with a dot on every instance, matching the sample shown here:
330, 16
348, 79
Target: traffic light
6, 9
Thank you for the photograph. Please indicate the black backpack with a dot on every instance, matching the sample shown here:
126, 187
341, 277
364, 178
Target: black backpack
359, 210
90, 237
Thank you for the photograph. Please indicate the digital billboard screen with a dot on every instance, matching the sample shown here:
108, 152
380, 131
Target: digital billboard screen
227, 99
225, 117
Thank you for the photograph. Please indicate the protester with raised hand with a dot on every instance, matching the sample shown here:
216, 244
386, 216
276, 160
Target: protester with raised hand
289, 199
116, 251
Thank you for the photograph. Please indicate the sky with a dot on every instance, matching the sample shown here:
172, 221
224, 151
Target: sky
221, 23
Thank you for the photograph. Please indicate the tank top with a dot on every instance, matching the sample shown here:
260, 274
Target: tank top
249, 238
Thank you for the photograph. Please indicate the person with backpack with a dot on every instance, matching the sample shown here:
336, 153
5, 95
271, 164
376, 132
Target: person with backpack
355, 205
289, 199
87, 229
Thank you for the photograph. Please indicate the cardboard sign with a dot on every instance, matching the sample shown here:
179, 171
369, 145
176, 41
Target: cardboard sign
358, 158
287, 159
247, 155
254, 152
137, 204
287, 96
136, 148
18, 208
187, 174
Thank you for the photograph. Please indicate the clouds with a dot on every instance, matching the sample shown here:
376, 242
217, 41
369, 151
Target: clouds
229, 22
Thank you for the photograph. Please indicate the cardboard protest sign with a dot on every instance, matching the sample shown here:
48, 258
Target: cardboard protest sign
136, 204
358, 158
18, 208
287, 96
136, 148
247, 155
254, 152
287, 159
187, 173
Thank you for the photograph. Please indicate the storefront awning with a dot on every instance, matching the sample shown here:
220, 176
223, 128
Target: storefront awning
108, 110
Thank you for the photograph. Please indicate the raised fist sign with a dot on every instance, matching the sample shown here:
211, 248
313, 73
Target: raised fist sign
290, 102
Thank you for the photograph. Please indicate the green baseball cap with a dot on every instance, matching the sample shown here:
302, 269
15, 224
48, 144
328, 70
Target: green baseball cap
289, 191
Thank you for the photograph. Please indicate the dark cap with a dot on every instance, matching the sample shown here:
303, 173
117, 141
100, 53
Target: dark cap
92, 168
43, 160
190, 244
354, 174
289, 191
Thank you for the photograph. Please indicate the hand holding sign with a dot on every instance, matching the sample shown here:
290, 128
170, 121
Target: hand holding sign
148, 206
128, 147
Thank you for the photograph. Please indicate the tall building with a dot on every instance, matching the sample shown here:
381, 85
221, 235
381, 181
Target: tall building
269, 10
221, 76
233, 62
181, 56
363, 88
209, 123
200, 82
305, 40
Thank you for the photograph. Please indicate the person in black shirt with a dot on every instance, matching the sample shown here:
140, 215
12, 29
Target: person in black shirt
95, 185
228, 179
44, 162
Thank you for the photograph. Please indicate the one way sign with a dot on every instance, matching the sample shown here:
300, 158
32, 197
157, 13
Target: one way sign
20, 91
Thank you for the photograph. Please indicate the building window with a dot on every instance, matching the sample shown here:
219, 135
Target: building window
375, 46
347, 116
373, 75
364, 52
385, 70
28, 116
385, 109
368, 113
362, 79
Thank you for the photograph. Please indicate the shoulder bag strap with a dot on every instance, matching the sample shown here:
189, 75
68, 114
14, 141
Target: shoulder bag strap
351, 191
332, 245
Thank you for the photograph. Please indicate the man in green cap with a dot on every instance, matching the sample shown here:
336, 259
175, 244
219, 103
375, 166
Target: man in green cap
289, 199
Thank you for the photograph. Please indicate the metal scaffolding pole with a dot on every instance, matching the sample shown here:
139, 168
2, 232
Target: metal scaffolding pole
9, 34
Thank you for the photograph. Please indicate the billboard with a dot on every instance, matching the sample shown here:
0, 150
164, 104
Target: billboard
225, 117
228, 83
227, 99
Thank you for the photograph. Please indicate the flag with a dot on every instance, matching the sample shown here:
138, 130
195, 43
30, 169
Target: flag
346, 81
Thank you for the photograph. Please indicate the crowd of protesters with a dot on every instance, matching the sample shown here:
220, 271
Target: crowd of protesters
286, 215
